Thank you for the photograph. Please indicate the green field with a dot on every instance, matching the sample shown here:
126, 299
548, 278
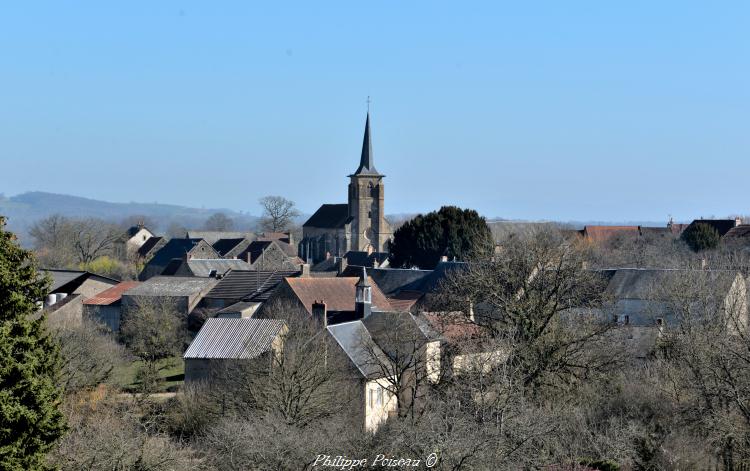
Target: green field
171, 372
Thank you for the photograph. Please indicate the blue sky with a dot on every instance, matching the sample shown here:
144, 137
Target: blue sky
593, 110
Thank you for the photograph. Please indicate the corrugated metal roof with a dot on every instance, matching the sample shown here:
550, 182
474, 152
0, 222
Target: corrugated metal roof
221, 338
112, 294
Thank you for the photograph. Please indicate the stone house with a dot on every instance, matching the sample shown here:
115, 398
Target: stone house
106, 307
68, 291
184, 293
200, 267
134, 238
177, 249
270, 255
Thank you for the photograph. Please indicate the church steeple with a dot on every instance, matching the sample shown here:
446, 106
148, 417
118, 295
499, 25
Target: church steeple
366, 165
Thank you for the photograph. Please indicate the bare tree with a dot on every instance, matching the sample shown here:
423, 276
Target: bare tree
153, 330
707, 347
88, 355
93, 238
278, 213
296, 385
537, 298
53, 241
115, 434
397, 350
219, 222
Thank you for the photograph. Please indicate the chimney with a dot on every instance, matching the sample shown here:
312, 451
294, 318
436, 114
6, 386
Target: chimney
704, 263
304, 270
341, 264
363, 296
737, 221
320, 313
444, 258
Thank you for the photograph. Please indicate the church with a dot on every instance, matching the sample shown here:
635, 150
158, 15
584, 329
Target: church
357, 226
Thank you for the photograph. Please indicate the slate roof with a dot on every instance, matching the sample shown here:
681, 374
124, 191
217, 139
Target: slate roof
637, 291
133, 230
364, 259
366, 161
222, 338
175, 248
722, 226
112, 295
212, 236
392, 280
224, 246
337, 293
203, 266
72, 279
329, 216
248, 284
172, 286
149, 245
358, 345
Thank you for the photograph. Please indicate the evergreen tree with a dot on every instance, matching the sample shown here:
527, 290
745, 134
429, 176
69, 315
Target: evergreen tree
30, 418
454, 232
701, 237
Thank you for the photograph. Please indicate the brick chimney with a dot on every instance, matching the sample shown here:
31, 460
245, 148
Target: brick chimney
304, 270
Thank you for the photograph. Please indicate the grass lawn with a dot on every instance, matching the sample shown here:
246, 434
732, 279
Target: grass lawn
171, 371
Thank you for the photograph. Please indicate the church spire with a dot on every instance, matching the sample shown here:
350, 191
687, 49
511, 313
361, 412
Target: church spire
366, 165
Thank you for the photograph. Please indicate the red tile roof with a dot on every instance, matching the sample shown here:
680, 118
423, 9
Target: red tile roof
604, 233
337, 293
454, 326
112, 294
405, 300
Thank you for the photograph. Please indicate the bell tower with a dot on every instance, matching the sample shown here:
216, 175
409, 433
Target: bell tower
370, 231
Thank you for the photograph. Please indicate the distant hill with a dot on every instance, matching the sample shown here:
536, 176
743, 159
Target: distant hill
25, 209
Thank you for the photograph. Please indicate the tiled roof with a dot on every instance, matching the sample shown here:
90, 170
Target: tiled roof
111, 295
329, 216
738, 232
222, 338
337, 293
242, 284
405, 300
256, 248
604, 233
455, 327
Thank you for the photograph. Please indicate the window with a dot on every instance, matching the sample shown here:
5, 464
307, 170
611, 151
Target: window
659, 322
372, 398
379, 401
627, 319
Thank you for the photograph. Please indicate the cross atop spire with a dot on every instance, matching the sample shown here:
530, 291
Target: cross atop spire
366, 165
